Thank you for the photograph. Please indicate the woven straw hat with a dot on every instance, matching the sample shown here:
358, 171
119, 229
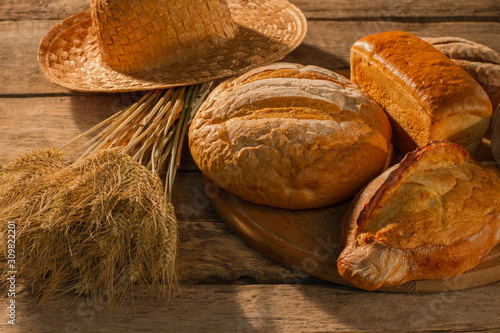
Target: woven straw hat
128, 45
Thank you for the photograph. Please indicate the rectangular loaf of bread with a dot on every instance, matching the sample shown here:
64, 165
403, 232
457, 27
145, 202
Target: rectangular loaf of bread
425, 94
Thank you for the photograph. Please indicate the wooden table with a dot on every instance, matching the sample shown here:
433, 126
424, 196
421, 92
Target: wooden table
226, 285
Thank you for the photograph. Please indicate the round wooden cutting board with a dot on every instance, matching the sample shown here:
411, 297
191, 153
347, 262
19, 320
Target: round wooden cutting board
309, 241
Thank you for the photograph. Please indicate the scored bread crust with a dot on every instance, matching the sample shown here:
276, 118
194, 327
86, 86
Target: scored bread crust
373, 258
426, 95
290, 136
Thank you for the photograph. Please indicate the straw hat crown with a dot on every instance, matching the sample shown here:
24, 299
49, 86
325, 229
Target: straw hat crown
141, 35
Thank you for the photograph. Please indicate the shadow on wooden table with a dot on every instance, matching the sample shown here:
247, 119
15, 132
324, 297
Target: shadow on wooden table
208, 308
89, 109
351, 309
41, 123
307, 54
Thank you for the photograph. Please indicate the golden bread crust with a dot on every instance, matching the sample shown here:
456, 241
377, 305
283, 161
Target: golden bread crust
434, 215
481, 62
427, 96
290, 136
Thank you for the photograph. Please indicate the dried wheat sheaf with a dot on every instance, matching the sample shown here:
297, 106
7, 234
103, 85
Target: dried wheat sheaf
97, 227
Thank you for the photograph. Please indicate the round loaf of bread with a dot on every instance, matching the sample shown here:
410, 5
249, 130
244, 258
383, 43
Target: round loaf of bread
290, 136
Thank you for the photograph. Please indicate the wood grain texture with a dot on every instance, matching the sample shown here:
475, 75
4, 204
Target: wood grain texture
37, 122
265, 308
319, 9
40, 9
398, 10
327, 44
210, 253
19, 71
190, 200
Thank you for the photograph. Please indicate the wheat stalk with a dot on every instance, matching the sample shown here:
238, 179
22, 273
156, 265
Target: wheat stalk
151, 130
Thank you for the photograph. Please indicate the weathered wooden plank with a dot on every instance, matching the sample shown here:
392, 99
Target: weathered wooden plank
327, 44
319, 9
210, 253
400, 10
267, 308
190, 200
19, 71
37, 122
40, 9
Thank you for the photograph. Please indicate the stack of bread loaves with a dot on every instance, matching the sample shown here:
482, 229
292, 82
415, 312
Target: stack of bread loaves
436, 214
426, 95
296, 137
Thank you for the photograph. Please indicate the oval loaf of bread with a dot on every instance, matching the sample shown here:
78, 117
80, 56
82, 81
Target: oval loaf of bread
426, 95
434, 215
290, 136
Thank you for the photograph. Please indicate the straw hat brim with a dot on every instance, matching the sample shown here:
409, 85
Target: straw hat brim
266, 32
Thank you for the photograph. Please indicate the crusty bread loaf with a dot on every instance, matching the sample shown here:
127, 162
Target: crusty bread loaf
481, 62
434, 215
426, 95
290, 136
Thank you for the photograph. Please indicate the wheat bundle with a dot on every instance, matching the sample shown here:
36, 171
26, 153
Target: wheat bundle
96, 227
